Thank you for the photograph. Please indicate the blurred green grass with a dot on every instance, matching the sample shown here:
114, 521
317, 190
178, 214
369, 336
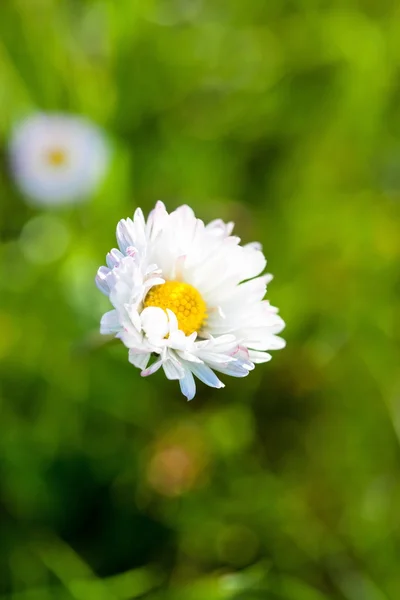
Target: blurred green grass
284, 117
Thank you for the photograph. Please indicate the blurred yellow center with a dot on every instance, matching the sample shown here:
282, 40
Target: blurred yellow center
56, 157
183, 299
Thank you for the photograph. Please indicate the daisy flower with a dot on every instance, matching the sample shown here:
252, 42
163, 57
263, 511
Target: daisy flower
188, 298
57, 158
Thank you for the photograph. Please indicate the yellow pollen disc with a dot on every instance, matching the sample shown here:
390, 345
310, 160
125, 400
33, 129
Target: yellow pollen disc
56, 157
183, 299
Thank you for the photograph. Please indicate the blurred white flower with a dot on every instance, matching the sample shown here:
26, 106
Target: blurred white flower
189, 294
58, 158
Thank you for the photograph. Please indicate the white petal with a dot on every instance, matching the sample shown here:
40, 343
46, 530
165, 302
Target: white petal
139, 360
177, 340
255, 262
110, 323
216, 357
172, 320
185, 355
264, 340
153, 368
131, 338
237, 363
138, 219
259, 357
134, 316
276, 343
125, 234
185, 213
206, 375
254, 246
234, 369
153, 269
114, 257
102, 285
101, 280
151, 282
179, 268
188, 386
156, 221
121, 293
154, 322
224, 344
173, 369
219, 228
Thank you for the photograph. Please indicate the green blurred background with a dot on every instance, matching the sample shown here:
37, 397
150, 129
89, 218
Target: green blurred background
283, 116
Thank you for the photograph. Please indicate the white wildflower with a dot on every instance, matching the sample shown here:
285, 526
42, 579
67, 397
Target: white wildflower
189, 295
57, 158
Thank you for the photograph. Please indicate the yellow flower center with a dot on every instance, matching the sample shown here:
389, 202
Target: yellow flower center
183, 299
56, 157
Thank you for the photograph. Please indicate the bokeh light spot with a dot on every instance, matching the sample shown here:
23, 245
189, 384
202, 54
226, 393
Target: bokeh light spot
44, 239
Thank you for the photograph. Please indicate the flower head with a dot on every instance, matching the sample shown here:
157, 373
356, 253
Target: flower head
57, 158
190, 295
